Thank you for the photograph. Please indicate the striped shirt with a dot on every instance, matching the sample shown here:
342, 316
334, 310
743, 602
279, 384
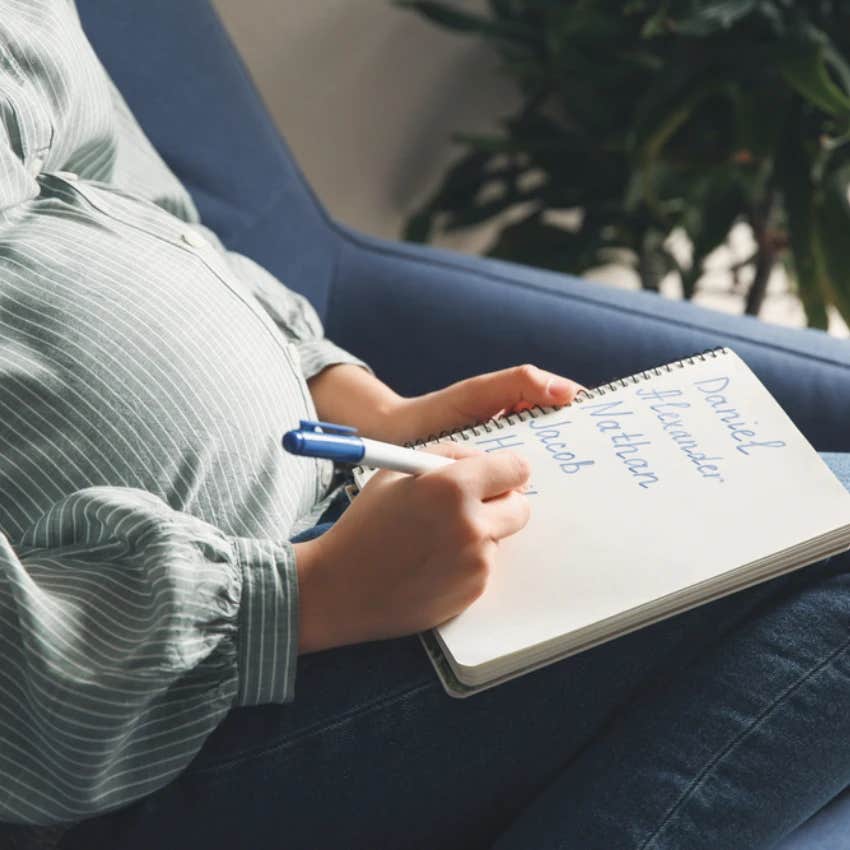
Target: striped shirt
146, 375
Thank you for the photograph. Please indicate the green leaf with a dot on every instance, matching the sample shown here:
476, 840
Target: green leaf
838, 64
794, 173
475, 214
832, 239
759, 118
715, 208
808, 75
714, 15
490, 144
654, 260
535, 242
657, 23
418, 227
463, 181
447, 15
502, 8
652, 147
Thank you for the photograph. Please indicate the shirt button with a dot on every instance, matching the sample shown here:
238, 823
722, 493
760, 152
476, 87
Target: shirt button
69, 176
193, 239
35, 166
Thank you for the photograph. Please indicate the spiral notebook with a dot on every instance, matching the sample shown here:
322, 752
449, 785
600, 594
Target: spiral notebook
649, 496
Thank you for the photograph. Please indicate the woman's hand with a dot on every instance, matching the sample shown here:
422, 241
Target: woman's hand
411, 551
479, 398
351, 396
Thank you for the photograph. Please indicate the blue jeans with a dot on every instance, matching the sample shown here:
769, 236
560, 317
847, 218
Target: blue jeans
724, 727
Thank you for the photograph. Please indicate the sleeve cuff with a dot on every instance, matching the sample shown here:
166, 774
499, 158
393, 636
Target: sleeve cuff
268, 622
317, 354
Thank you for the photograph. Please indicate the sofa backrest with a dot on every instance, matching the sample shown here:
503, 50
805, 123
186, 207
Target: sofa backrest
187, 86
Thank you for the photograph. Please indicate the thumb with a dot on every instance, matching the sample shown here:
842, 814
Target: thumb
523, 386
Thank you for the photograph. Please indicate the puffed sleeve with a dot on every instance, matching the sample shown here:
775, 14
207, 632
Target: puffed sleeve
128, 631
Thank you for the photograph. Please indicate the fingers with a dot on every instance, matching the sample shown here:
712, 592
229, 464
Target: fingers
537, 386
483, 476
506, 514
477, 475
517, 388
452, 449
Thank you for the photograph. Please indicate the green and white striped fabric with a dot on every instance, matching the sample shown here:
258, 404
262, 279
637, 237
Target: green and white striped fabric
146, 375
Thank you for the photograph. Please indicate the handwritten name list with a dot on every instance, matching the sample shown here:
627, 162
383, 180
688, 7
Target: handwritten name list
635, 419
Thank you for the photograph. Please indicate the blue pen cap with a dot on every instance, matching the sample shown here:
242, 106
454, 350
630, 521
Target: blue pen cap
333, 446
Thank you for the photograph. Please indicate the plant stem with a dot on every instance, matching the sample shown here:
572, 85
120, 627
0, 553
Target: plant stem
648, 272
765, 253
765, 260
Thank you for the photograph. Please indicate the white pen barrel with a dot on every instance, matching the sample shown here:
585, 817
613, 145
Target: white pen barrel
388, 456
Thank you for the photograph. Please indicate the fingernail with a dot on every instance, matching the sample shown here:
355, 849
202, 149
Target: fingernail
557, 387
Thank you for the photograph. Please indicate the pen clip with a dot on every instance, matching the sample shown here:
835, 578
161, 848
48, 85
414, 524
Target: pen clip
326, 428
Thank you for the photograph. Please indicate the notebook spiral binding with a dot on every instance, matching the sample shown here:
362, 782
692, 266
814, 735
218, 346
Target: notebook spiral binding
490, 425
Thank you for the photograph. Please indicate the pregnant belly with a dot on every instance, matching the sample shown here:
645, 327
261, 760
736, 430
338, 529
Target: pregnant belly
141, 365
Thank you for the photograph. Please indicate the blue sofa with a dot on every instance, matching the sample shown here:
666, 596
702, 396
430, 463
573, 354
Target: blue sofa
419, 316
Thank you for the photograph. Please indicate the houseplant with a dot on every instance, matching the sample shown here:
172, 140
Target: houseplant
641, 118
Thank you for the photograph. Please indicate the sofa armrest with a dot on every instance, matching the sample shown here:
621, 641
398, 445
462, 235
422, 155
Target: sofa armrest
424, 317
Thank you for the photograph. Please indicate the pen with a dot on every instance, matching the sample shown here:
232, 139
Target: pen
341, 443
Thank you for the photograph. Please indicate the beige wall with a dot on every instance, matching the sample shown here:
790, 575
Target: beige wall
367, 95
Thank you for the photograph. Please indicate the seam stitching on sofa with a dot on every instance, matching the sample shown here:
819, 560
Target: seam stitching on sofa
703, 774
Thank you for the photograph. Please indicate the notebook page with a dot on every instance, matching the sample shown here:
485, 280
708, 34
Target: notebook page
642, 492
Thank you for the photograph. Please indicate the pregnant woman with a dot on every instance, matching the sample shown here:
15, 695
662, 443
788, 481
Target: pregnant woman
200, 647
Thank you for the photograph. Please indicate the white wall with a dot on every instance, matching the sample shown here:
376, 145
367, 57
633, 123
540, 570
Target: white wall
367, 95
